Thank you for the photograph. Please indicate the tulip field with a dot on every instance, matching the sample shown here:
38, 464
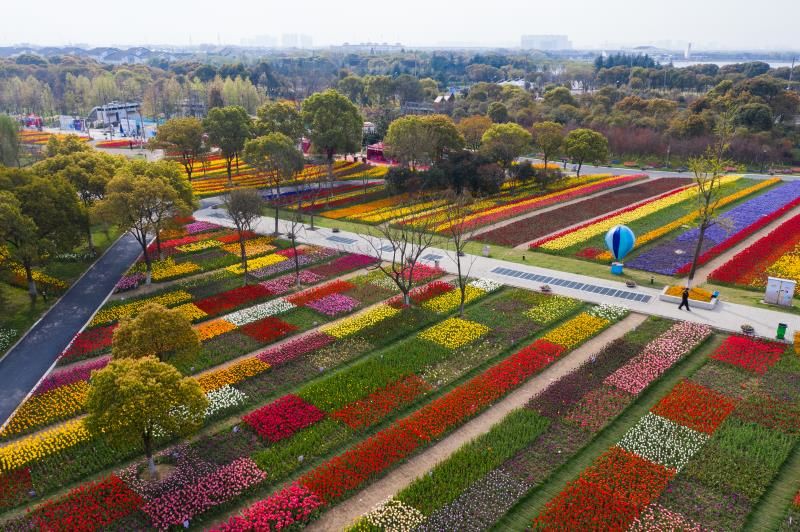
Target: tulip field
321, 382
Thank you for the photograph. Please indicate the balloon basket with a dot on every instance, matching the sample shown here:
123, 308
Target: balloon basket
616, 268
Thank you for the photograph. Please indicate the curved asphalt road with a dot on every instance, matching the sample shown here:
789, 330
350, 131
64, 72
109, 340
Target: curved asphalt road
29, 360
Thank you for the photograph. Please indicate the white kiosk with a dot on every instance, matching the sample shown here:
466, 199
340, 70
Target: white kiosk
779, 291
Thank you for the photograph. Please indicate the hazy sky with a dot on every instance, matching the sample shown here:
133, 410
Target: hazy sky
739, 24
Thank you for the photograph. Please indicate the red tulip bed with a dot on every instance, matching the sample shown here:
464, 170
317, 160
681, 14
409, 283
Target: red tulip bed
748, 268
611, 203
685, 464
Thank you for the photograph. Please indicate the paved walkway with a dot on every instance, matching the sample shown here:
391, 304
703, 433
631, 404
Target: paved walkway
727, 316
345, 513
25, 364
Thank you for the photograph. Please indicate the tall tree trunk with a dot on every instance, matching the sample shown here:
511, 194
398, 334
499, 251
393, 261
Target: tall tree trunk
330, 177
277, 198
462, 286
147, 440
158, 244
700, 238
31, 283
244, 256
296, 260
89, 240
228, 164
580, 164
148, 264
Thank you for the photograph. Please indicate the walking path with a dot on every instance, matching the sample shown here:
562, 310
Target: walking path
27, 362
727, 316
343, 514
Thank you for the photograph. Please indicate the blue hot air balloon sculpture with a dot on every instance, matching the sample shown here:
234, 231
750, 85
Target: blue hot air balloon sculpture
620, 241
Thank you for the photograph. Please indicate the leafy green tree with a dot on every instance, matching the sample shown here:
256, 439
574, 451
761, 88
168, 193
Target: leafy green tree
498, 112
182, 135
43, 218
583, 145
548, 137
352, 87
442, 135
89, 173
406, 140
67, 145
9, 141
228, 128
472, 129
132, 401
155, 331
277, 156
244, 207
334, 124
504, 143
280, 117
138, 200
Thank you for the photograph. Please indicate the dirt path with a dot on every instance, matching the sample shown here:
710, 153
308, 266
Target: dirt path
702, 273
533, 212
343, 515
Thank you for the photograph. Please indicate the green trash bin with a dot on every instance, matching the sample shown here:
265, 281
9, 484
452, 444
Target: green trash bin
781, 334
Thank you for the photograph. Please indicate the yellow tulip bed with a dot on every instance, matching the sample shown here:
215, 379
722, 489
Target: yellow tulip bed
254, 264
362, 320
393, 213
454, 332
210, 329
698, 294
236, 372
576, 331
191, 312
655, 234
166, 269
253, 247
38, 410
450, 301
170, 299
199, 246
42, 444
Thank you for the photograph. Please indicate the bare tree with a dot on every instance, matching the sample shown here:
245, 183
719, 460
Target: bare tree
459, 232
295, 225
406, 243
708, 170
244, 206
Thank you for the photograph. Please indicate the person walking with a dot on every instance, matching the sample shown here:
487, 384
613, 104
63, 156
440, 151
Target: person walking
685, 300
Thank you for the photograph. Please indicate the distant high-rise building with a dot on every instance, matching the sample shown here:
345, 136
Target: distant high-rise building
545, 42
296, 40
688, 53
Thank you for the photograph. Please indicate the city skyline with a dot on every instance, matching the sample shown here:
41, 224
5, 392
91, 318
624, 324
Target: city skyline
418, 24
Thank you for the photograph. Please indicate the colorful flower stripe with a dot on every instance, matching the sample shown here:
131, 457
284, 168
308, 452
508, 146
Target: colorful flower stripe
211, 329
257, 263
231, 299
576, 330
90, 342
743, 220
337, 286
453, 333
353, 324
295, 348
377, 405
36, 446
292, 506
15, 487
421, 294
283, 417
267, 330
505, 212
200, 245
576, 235
368, 207
236, 372
227, 483
695, 406
334, 304
115, 313
80, 371
43, 409
748, 353
91, 506
655, 234
252, 247
750, 266
258, 312
658, 356
391, 213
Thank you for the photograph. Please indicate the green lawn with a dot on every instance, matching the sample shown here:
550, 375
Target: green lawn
18, 312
